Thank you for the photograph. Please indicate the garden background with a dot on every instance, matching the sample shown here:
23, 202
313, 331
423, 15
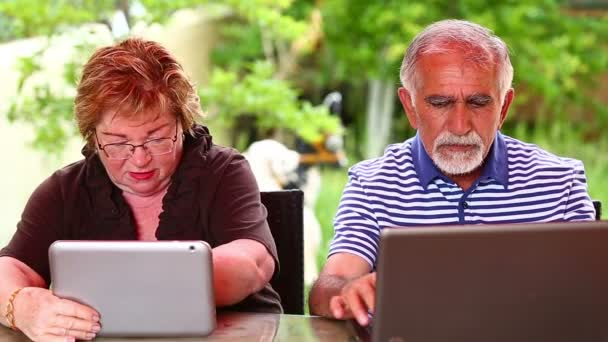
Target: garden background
272, 63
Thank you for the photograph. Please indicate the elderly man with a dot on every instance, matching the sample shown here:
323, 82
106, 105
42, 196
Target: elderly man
458, 169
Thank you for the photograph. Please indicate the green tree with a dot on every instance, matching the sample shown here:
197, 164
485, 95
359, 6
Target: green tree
270, 101
28, 18
274, 101
557, 56
358, 45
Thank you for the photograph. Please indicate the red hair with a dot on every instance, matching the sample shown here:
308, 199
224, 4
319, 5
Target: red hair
134, 77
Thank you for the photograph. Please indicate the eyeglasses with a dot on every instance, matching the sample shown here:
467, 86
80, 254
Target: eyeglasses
154, 147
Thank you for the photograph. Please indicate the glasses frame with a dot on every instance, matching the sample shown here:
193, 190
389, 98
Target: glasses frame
134, 147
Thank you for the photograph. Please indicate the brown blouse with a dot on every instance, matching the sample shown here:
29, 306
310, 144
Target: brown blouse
213, 196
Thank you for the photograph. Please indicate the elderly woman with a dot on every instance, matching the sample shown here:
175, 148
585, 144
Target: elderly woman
149, 173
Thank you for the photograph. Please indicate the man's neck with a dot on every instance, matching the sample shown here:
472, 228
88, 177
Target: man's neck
467, 180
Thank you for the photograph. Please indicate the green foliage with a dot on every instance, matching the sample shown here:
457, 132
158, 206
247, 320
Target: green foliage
51, 118
557, 56
368, 39
239, 44
268, 15
332, 183
158, 11
47, 104
27, 18
273, 102
253, 61
256, 30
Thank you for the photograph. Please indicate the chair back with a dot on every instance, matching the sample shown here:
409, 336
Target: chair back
285, 218
598, 210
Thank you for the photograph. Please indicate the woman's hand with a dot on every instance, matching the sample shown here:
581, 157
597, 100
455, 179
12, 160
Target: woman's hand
43, 316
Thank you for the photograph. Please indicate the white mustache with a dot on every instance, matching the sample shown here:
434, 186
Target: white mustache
447, 138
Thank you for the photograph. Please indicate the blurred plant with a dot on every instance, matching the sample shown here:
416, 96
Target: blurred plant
357, 45
47, 85
272, 102
27, 18
255, 61
557, 55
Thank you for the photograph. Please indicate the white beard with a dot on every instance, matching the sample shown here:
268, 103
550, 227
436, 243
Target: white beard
458, 163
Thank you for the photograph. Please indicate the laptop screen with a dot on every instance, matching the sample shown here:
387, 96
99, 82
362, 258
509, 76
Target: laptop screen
526, 282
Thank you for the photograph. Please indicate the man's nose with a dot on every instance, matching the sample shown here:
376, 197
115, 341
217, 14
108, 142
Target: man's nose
140, 156
459, 120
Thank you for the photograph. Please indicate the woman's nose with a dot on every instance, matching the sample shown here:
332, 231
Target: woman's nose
140, 156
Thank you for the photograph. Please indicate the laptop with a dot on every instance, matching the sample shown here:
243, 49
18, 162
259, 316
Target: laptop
524, 282
161, 288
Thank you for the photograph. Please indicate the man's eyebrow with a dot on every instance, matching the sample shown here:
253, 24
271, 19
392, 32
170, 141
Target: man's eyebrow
439, 98
479, 98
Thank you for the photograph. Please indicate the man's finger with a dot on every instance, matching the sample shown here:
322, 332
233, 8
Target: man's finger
372, 278
337, 307
368, 294
357, 307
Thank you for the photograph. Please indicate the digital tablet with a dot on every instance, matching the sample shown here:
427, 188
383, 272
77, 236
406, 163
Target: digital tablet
139, 288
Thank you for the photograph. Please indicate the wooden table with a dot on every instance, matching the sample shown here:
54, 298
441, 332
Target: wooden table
259, 327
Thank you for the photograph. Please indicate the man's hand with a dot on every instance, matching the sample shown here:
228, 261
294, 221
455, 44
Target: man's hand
44, 317
345, 289
356, 299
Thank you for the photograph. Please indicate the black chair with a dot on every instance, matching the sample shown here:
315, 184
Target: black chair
285, 218
598, 210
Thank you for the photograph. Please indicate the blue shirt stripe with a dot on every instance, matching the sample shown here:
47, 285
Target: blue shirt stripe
520, 183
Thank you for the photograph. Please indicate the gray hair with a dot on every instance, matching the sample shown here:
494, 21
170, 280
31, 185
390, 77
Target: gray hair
479, 43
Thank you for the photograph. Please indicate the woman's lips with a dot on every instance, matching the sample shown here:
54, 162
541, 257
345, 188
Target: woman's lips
141, 175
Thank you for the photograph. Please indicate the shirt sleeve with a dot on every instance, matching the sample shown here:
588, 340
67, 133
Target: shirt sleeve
40, 225
579, 206
236, 210
356, 229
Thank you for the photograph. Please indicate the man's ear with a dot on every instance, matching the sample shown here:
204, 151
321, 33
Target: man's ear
505, 106
408, 106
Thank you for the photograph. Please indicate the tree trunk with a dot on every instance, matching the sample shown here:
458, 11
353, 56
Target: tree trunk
380, 106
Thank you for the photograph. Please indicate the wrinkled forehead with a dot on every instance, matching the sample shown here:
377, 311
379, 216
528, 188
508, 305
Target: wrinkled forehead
477, 55
129, 117
143, 106
458, 70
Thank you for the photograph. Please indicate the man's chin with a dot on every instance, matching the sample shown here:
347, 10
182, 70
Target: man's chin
457, 167
457, 172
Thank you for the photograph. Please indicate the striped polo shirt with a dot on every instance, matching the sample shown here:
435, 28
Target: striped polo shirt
519, 183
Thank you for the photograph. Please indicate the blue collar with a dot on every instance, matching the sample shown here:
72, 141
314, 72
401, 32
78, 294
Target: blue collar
495, 164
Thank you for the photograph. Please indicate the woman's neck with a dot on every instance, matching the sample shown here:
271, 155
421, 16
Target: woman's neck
141, 202
146, 211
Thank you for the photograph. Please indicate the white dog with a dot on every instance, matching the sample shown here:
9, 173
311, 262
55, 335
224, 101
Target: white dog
274, 166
